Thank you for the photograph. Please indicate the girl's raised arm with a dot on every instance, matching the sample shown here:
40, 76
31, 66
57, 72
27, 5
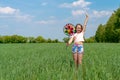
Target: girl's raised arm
85, 23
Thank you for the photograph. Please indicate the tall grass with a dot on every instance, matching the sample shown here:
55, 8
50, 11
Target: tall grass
53, 61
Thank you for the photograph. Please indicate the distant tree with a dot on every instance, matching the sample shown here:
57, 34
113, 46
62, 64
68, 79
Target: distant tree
18, 39
31, 40
40, 39
6, 39
49, 40
110, 32
117, 25
100, 33
55, 41
118, 34
90, 40
1, 39
117, 19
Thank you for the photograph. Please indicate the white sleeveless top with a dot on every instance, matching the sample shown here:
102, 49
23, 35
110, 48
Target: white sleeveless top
78, 37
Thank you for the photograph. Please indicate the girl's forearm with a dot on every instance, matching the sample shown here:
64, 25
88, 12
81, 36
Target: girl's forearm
85, 23
70, 41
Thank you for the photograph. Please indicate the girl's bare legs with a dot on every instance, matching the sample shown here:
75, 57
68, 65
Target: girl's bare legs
77, 59
80, 58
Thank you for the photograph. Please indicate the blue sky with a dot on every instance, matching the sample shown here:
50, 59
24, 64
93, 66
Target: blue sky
47, 17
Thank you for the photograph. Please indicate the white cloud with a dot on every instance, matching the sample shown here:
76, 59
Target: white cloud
8, 10
46, 22
14, 14
101, 13
79, 3
77, 12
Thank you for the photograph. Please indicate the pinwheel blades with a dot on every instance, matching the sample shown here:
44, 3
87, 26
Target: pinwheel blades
69, 29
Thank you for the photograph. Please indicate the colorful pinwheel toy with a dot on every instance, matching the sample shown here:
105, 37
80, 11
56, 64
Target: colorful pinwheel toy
69, 29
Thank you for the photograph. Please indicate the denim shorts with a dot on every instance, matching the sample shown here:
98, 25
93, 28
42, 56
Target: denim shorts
77, 48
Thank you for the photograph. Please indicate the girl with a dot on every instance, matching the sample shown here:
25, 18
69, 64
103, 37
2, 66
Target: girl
77, 48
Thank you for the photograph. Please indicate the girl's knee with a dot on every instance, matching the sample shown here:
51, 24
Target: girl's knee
80, 61
75, 58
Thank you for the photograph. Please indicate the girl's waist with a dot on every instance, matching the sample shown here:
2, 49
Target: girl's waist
78, 43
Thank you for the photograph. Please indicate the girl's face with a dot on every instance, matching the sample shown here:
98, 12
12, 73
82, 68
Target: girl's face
79, 28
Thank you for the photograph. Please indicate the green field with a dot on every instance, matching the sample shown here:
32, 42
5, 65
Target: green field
52, 61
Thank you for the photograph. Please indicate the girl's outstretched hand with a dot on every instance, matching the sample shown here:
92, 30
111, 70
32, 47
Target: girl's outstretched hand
86, 15
67, 44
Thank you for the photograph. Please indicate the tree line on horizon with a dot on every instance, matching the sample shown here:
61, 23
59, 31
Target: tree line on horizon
21, 39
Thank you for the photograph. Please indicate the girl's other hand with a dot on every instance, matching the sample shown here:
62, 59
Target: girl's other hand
74, 38
67, 44
86, 15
